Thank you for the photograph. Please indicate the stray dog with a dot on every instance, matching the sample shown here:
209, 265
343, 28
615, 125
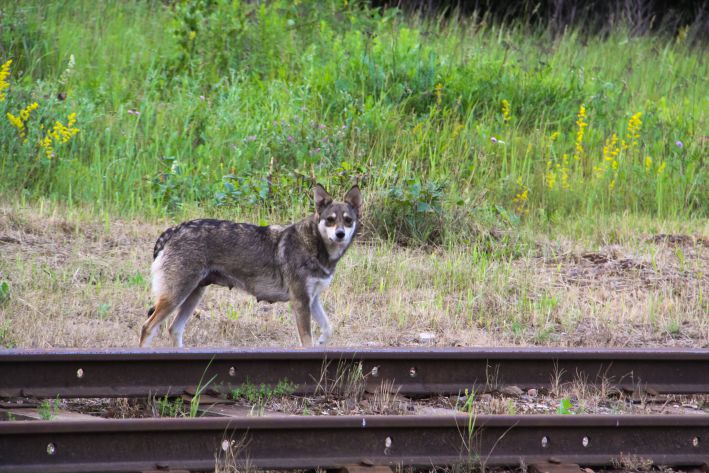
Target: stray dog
273, 263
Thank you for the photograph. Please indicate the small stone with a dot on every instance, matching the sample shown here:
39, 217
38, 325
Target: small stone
532, 393
426, 337
588, 470
514, 391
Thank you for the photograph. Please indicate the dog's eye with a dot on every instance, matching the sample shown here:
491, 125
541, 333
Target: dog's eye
330, 220
348, 221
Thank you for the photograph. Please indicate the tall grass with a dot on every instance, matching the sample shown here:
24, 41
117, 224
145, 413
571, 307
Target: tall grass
235, 107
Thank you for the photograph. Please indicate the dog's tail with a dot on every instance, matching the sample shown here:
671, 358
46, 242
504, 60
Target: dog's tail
151, 310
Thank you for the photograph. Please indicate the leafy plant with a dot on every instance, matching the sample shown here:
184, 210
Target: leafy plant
167, 407
170, 188
243, 190
47, 409
4, 291
103, 310
565, 406
260, 396
411, 213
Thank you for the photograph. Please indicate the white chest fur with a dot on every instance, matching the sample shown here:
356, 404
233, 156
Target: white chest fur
315, 286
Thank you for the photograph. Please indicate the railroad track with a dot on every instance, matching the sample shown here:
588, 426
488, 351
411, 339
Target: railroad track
78, 442
120, 373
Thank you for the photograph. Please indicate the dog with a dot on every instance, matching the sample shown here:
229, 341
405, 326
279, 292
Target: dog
273, 263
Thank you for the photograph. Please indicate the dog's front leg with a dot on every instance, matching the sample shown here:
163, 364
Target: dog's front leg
320, 316
301, 306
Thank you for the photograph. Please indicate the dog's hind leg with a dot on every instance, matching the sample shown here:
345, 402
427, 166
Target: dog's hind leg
320, 317
177, 328
163, 308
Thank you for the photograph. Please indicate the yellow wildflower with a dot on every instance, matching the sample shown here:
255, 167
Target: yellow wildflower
633, 134
16, 122
554, 136
59, 134
520, 199
648, 164
20, 121
46, 144
611, 151
550, 176
506, 110
661, 168
192, 35
25, 113
4, 74
581, 124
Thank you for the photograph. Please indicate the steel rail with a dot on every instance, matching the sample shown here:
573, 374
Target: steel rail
135, 372
328, 442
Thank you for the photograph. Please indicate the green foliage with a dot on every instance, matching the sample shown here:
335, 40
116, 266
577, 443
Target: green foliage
241, 105
48, 409
565, 406
411, 213
104, 310
260, 396
167, 407
4, 291
243, 191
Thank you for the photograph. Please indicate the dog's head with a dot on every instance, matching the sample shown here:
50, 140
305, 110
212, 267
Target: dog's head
337, 221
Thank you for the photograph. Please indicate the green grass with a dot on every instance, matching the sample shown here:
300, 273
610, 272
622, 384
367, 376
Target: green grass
232, 109
259, 396
48, 409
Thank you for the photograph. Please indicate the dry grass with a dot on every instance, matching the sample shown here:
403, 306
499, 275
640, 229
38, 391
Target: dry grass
78, 282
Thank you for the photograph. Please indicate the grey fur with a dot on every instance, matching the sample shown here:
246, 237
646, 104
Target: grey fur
272, 263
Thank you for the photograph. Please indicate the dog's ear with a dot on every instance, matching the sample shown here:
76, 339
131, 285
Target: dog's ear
354, 199
322, 198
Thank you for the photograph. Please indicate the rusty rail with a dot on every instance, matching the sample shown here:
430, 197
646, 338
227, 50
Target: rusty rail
328, 442
134, 372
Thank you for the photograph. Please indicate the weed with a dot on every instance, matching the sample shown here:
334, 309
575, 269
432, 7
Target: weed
201, 387
386, 400
631, 462
4, 291
232, 456
175, 407
136, 279
103, 310
565, 406
168, 407
411, 212
260, 396
48, 408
